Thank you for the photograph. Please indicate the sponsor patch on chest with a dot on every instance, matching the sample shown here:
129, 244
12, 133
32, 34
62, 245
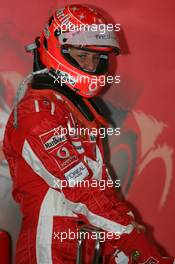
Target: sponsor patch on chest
64, 155
76, 174
52, 138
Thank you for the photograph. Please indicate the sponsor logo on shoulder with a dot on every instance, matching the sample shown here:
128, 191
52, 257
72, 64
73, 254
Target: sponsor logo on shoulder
52, 138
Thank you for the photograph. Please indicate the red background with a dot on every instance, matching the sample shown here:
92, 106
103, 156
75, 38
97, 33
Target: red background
142, 104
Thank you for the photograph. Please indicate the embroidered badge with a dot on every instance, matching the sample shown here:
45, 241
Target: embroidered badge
52, 138
76, 174
64, 155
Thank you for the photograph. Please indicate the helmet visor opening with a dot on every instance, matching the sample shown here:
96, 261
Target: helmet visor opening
101, 68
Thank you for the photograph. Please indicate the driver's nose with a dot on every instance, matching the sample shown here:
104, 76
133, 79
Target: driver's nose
90, 64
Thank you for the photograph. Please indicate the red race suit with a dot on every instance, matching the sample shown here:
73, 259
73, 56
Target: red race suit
57, 177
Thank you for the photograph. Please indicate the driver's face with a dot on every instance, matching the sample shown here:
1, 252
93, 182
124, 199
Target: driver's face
86, 59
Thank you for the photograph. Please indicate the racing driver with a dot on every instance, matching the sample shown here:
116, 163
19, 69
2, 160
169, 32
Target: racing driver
47, 165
